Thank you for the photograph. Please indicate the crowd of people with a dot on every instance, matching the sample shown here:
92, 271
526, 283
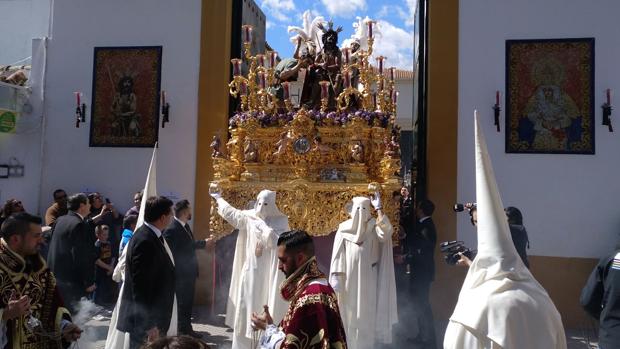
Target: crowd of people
54, 265
355, 305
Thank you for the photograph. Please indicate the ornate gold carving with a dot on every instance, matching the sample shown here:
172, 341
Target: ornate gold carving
316, 161
315, 207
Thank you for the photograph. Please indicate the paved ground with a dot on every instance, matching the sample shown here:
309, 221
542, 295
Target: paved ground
219, 336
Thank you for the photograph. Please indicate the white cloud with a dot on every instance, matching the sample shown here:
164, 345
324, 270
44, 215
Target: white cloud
344, 8
268, 24
411, 6
387, 10
396, 44
278, 8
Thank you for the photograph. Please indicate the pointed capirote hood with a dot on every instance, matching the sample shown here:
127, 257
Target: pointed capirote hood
150, 187
500, 301
495, 244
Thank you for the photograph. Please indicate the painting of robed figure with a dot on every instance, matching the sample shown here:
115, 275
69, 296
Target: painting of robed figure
126, 89
550, 96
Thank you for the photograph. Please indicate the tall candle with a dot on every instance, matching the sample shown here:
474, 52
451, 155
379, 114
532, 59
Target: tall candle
381, 85
261, 79
374, 99
272, 59
324, 89
346, 54
392, 71
163, 98
285, 90
261, 60
369, 23
247, 31
394, 96
608, 92
77, 98
380, 63
496, 97
347, 79
243, 88
236, 62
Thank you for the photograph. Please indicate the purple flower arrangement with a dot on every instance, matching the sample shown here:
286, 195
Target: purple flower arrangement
373, 118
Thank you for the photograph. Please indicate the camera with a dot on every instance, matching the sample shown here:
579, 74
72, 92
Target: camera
451, 249
462, 207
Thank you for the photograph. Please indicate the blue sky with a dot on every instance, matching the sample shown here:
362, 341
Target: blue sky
395, 19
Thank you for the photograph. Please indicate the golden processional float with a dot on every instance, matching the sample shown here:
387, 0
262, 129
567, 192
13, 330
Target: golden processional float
316, 157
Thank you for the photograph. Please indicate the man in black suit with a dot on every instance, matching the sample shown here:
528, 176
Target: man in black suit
422, 249
71, 253
181, 241
148, 294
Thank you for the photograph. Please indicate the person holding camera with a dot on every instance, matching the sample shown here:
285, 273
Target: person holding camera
102, 211
517, 231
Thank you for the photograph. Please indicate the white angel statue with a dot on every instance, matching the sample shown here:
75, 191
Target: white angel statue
310, 35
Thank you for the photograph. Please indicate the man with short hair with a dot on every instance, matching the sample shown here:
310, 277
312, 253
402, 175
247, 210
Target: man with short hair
58, 208
148, 305
72, 253
28, 290
422, 244
181, 241
135, 209
313, 314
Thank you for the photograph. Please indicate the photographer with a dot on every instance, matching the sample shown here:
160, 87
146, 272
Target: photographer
102, 211
517, 231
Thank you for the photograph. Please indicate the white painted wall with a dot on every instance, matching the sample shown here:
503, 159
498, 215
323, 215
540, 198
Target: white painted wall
404, 108
569, 202
79, 26
20, 22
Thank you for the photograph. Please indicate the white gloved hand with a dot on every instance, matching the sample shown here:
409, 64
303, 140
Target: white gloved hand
334, 281
375, 200
215, 195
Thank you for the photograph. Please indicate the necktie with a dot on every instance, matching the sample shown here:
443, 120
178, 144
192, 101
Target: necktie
188, 230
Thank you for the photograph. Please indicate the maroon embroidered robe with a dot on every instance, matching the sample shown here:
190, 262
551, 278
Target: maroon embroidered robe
31, 277
313, 318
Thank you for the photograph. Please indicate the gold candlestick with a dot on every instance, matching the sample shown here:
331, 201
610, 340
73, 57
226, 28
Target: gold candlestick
324, 102
324, 95
289, 105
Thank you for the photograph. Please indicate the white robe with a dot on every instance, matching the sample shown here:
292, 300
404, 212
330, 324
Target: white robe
501, 305
362, 261
255, 280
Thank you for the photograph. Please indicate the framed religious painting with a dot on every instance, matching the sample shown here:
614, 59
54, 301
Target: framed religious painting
126, 89
550, 96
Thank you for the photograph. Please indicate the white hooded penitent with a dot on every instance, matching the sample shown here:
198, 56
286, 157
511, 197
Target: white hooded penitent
501, 305
255, 277
362, 274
